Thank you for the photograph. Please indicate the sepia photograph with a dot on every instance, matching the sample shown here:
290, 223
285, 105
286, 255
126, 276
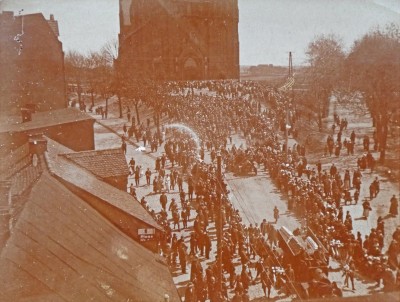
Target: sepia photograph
199, 150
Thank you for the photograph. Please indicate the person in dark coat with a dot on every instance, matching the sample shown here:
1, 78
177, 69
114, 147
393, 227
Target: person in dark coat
366, 209
182, 255
207, 244
276, 214
137, 176
148, 176
163, 201
180, 183
132, 165
264, 227
123, 147
266, 282
155, 184
394, 206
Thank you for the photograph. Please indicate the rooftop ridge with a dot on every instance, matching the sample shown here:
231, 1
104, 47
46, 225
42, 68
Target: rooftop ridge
85, 152
103, 163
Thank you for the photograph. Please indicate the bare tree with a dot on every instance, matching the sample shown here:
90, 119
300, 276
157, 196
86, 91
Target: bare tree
375, 62
110, 51
74, 69
326, 59
92, 63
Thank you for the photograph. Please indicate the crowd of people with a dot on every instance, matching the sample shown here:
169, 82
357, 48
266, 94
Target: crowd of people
315, 194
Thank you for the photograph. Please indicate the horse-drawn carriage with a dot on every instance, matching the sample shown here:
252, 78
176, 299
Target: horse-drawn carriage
309, 263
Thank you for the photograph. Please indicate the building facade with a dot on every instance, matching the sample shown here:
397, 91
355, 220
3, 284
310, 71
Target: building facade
32, 64
179, 39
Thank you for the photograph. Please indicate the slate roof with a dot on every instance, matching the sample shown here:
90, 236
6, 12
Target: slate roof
82, 178
63, 250
102, 163
44, 119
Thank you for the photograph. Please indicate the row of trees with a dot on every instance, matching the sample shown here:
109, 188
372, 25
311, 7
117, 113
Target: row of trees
99, 74
372, 67
90, 73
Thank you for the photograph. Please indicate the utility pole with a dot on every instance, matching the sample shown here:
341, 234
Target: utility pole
219, 225
290, 75
290, 64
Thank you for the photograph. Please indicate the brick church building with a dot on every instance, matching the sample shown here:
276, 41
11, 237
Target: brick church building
179, 39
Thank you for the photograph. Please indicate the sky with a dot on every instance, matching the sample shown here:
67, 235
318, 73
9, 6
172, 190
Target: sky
268, 29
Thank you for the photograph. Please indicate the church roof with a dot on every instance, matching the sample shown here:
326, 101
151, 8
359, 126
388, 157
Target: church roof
63, 250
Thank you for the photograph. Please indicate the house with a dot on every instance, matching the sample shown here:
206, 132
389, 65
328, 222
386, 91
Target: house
69, 236
61, 249
32, 64
69, 126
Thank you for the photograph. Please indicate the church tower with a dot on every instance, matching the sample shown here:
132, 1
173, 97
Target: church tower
179, 39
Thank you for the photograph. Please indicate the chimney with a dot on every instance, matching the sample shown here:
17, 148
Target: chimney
37, 145
51, 17
5, 215
26, 115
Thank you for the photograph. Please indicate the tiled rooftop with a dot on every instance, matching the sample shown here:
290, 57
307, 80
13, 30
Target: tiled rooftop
13, 161
82, 178
102, 163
